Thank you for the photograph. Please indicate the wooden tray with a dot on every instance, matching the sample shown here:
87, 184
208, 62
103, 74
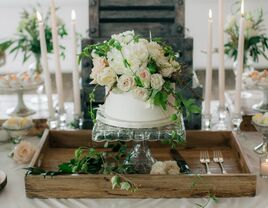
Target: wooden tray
58, 146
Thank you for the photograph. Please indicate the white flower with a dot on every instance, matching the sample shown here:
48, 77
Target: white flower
24, 152
125, 37
145, 77
258, 118
116, 61
157, 81
141, 93
167, 71
137, 55
155, 50
158, 168
106, 77
98, 65
125, 83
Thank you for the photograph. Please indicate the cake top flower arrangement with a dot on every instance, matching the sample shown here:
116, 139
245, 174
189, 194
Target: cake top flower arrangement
146, 68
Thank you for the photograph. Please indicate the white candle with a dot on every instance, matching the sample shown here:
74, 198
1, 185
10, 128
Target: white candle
76, 86
240, 63
43, 46
209, 66
57, 57
264, 168
221, 55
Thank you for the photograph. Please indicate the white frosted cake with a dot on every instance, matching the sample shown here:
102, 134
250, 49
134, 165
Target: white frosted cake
126, 109
138, 76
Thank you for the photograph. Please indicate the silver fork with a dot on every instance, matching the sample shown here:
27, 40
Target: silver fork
218, 158
204, 159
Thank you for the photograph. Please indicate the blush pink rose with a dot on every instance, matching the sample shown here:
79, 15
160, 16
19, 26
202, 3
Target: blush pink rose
24, 152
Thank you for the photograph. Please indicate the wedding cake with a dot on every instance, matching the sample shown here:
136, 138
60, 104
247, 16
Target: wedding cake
138, 78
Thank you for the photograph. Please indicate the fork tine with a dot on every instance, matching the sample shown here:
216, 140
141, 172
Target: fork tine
207, 154
220, 154
214, 154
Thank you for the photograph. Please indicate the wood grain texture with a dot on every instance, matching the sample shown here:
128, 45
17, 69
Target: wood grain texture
94, 18
109, 3
240, 180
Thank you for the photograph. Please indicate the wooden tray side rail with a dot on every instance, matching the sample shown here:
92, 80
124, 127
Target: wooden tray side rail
59, 146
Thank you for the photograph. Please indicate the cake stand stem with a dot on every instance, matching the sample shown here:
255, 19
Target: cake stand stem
141, 157
21, 109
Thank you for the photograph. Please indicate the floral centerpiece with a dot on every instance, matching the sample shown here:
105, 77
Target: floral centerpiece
26, 39
256, 41
130, 63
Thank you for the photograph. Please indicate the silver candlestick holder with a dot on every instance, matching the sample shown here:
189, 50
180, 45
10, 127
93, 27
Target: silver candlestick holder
206, 121
222, 119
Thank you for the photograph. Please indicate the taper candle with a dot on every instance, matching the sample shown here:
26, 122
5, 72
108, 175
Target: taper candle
76, 85
47, 78
209, 66
240, 63
56, 50
221, 55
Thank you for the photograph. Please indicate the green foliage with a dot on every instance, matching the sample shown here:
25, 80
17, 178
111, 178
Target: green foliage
152, 67
123, 183
160, 98
256, 41
92, 111
27, 40
168, 50
5, 45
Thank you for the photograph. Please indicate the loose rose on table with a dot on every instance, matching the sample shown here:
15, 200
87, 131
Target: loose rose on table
24, 152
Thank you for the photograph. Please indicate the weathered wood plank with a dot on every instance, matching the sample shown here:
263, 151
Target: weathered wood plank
94, 18
133, 14
109, 3
180, 17
99, 186
157, 29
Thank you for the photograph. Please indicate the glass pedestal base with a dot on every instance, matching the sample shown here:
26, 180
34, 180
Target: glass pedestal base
140, 156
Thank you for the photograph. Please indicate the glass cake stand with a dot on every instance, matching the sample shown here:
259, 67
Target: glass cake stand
21, 109
140, 155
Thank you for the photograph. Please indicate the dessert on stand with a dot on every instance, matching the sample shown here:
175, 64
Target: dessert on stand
20, 83
139, 77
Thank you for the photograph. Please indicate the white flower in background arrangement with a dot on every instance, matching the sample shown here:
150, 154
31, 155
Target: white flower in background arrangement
141, 93
145, 77
125, 37
106, 77
157, 81
24, 152
125, 83
231, 22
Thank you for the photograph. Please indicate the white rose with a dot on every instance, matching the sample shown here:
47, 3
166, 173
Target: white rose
157, 81
145, 77
124, 37
136, 55
155, 50
98, 65
24, 152
125, 83
116, 61
106, 77
141, 93
158, 168
166, 71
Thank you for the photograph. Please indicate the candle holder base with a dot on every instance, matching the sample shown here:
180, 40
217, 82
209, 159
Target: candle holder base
223, 120
62, 120
206, 122
236, 121
52, 123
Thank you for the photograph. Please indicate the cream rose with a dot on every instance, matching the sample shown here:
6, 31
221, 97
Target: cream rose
106, 77
155, 50
145, 77
125, 83
166, 71
158, 168
157, 81
141, 93
116, 61
24, 152
98, 65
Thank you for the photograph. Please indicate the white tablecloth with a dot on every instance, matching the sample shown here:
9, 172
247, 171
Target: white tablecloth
13, 195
